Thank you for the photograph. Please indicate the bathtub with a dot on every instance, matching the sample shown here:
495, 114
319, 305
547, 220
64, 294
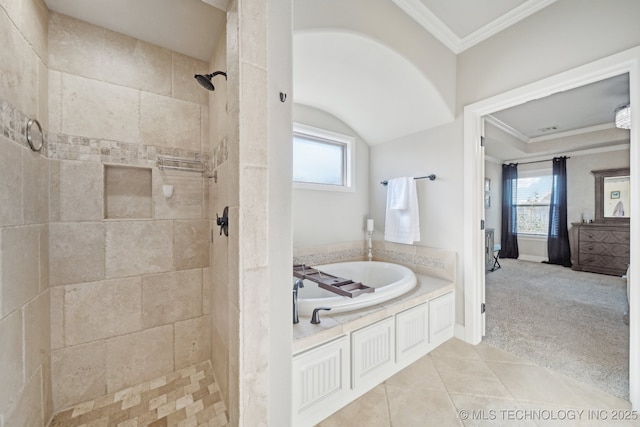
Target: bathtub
389, 281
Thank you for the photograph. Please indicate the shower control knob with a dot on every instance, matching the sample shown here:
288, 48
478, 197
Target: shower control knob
223, 222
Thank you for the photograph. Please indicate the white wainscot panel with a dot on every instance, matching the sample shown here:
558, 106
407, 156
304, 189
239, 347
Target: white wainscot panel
412, 334
441, 319
320, 381
372, 353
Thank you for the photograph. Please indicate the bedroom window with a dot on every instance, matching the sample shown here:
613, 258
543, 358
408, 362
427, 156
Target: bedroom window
534, 198
322, 160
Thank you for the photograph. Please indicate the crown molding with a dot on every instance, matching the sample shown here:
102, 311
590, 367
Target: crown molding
506, 128
505, 21
557, 135
218, 4
574, 153
573, 132
430, 22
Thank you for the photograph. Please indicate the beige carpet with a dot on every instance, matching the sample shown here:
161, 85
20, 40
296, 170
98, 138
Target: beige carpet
566, 320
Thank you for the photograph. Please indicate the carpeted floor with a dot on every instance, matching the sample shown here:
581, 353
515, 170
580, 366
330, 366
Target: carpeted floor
566, 320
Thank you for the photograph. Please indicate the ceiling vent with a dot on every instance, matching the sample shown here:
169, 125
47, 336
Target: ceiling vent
549, 129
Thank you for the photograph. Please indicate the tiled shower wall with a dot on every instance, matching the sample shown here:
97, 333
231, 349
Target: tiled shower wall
126, 294
25, 387
221, 290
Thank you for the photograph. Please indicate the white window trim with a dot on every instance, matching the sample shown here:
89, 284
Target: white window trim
532, 173
349, 143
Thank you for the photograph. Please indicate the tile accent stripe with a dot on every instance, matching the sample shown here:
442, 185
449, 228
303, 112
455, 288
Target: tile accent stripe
188, 397
13, 125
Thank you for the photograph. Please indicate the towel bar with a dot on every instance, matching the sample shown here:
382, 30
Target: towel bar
431, 177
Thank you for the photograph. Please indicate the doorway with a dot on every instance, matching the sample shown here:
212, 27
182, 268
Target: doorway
474, 279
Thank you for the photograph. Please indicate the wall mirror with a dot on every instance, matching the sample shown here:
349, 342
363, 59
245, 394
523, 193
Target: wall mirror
612, 195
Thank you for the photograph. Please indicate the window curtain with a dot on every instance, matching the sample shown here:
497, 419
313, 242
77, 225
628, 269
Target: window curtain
558, 239
509, 229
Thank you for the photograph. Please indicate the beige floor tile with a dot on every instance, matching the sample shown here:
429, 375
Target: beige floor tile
560, 416
409, 407
537, 384
488, 352
469, 376
370, 410
487, 411
424, 370
455, 348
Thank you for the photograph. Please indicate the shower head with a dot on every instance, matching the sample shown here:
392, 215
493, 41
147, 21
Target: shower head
205, 79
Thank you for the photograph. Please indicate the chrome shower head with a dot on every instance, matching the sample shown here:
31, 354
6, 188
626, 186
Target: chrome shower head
205, 79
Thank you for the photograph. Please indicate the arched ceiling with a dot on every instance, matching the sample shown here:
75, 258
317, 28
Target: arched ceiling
377, 92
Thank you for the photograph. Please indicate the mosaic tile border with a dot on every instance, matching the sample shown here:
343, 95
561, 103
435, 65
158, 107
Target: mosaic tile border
67, 147
13, 125
331, 257
410, 259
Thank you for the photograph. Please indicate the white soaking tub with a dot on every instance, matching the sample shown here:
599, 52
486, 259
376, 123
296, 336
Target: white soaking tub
389, 280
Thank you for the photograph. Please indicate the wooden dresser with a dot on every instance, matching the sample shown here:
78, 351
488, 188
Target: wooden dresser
600, 247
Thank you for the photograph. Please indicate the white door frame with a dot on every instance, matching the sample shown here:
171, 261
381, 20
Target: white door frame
625, 62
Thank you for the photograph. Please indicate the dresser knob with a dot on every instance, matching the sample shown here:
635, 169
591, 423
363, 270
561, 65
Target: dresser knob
590, 248
590, 235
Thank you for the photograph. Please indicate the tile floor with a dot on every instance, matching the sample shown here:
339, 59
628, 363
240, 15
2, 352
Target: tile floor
463, 385
455, 385
189, 397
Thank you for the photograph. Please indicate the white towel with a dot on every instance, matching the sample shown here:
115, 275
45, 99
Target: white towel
398, 192
402, 225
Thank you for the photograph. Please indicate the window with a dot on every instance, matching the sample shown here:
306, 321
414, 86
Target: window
322, 160
534, 197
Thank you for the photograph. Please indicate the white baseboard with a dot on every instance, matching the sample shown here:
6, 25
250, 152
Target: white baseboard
532, 258
459, 331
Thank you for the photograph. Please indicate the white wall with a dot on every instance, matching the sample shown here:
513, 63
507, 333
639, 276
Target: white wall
560, 37
493, 215
440, 201
322, 217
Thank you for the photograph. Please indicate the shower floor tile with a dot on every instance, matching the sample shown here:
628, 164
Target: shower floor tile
189, 397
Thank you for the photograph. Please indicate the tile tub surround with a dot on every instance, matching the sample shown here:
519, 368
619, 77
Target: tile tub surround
434, 262
306, 335
189, 396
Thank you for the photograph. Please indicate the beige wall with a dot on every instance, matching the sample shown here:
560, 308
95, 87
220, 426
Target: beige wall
25, 364
127, 294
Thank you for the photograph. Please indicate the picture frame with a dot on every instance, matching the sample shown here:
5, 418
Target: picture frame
615, 194
487, 201
487, 184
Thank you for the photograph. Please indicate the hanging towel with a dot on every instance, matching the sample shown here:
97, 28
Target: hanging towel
402, 225
398, 193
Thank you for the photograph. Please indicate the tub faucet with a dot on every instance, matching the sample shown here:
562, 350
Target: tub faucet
297, 284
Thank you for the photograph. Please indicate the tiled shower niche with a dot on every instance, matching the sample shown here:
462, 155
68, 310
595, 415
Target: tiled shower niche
127, 192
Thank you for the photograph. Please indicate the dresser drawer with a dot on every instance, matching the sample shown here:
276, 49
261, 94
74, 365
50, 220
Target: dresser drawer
611, 249
603, 261
603, 236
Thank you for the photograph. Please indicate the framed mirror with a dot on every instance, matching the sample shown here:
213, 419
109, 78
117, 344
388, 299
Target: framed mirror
612, 195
